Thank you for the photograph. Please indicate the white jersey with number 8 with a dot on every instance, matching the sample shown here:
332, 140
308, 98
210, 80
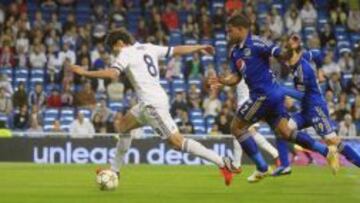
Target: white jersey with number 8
140, 64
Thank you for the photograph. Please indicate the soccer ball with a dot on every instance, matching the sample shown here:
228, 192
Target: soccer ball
107, 180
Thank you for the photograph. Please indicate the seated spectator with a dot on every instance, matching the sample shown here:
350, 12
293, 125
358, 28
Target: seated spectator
67, 98
5, 103
356, 108
346, 62
353, 20
190, 28
212, 105
102, 110
21, 118
330, 66
194, 94
96, 53
173, 69
54, 100
56, 127
338, 16
7, 58
36, 114
185, 126
37, 97
214, 130
219, 19
329, 97
85, 97
223, 124
99, 124
347, 127
205, 27
19, 98
308, 14
66, 52
170, 17
34, 129
343, 107
22, 42
275, 23
49, 4
193, 67
37, 58
22, 59
293, 22
38, 22
81, 127
233, 5
142, 32
179, 103
6, 85
115, 90
334, 84
52, 39
327, 37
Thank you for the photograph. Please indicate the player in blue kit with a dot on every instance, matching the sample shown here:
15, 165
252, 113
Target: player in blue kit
250, 57
314, 111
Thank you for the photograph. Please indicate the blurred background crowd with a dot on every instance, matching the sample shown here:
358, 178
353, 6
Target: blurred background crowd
40, 38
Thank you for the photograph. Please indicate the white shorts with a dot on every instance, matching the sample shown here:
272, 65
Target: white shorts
158, 118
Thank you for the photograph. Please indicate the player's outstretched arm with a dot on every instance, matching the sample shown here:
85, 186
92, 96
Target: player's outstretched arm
224, 80
106, 73
188, 49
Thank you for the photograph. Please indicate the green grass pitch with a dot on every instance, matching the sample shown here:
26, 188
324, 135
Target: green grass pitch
23, 183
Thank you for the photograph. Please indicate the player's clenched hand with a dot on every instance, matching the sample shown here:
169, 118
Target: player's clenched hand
208, 49
77, 69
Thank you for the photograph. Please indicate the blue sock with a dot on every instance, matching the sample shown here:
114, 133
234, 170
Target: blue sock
349, 153
251, 149
283, 150
308, 142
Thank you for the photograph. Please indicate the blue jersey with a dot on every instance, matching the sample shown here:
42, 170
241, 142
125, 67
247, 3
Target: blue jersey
314, 55
251, 60
305, 81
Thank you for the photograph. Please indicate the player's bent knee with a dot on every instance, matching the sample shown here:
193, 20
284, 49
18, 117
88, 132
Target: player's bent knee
176, 141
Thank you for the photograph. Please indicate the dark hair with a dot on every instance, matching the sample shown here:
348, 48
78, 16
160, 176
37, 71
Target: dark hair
239, 20
119, 34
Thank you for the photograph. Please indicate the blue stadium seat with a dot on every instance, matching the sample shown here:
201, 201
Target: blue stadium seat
195, 81
86, 112
199, 129
175, 38
166, 85
178, 85
196, 114
346, 79
116, 106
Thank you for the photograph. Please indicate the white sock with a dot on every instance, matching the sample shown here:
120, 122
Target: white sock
265, 145
122, 146
199, 150
237, 153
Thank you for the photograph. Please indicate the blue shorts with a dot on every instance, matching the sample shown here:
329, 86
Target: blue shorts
317, 117
269, 108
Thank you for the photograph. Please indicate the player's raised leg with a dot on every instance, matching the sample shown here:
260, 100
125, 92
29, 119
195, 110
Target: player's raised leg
344, 149
161, 121
306, 141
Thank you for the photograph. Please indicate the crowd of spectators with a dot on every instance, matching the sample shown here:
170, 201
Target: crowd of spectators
37, 35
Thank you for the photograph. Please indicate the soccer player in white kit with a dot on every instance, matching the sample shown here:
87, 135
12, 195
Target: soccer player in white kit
139, 62
242, 93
